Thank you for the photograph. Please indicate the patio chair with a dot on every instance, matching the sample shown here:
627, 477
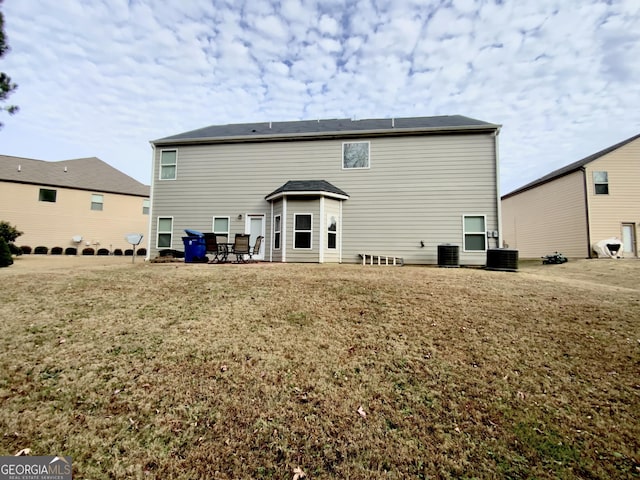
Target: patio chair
241, 247
218, 251
255, 250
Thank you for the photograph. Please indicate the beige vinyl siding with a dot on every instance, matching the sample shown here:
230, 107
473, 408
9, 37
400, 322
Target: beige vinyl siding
418, 188
622, 204
546, 219
53, 224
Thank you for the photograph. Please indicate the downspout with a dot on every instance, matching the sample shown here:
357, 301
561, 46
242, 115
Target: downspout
498, 200
586, 210
153, 168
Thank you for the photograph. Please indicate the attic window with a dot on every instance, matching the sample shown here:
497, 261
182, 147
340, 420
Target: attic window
601, 183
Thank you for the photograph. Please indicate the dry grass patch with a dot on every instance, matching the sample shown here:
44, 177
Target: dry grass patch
250, 371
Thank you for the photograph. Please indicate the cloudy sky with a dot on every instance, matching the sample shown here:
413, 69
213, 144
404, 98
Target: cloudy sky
103, 77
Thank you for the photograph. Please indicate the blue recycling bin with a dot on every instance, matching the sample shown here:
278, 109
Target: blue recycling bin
195, 249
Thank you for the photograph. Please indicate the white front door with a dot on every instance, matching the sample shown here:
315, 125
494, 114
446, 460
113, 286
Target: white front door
629, 239
255, 228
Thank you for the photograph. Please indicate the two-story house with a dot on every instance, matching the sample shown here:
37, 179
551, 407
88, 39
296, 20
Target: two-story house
572, 208
330, 190
72, 203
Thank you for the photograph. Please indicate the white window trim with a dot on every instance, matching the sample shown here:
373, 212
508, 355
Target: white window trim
279, 247
296, 231
175, 176
158, 232
213, 224
356, 168
146, 203
95, 195
600, 183
465, 233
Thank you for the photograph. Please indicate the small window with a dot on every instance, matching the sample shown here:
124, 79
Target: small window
332, 233
97, 202
146, 205
276, 232
601, 183
355, 155
47, 195
168, 164
165, 232
302, 230
475, 234
221, 226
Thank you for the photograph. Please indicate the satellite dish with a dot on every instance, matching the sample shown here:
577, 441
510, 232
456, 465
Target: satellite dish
76, 238
133, 238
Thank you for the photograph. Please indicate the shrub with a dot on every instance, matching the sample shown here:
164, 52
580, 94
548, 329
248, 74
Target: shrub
9, 232
88, 251
5, 255
71, 251
14, 249
56, 251
128, 252
26, 249
117, 251
103, 251
141, 251
41, 250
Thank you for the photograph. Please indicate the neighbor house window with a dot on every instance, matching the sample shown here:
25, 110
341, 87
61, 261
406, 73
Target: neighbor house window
475, 234
47, 195
146, 205
302, 230
97, 201
601, 183
277, 228
332, 233
355, 155
168, 164
165, 232
221, 226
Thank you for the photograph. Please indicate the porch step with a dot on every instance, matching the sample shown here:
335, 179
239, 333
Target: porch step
371, 259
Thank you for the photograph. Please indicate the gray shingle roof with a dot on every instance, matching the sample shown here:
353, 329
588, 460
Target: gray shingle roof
306, 186
572, 167
322, 128
82, 173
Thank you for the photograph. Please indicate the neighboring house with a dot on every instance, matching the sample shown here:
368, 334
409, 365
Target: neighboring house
572, 208
53, 202
329, 190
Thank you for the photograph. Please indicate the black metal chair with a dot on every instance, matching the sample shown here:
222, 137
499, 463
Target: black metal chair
241, 247
219, 251
255, 250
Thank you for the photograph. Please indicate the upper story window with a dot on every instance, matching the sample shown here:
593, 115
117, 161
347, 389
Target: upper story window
47, 195
355, 155
165, 232
146, 205
601, 183
302, 230
97, 201
277, 229
475, 233
168, 164
332, 232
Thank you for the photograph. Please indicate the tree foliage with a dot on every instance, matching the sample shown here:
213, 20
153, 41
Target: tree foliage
6, 85
8, 232
5, 255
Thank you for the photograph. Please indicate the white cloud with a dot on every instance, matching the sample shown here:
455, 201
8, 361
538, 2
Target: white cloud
105, 77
